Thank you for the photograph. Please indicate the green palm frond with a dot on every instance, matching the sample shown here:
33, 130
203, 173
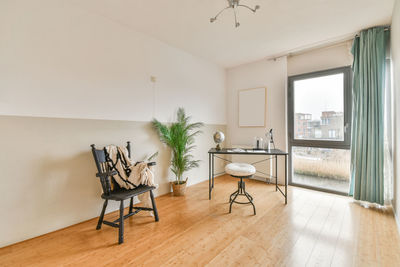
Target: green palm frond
179, 136
194, 126
163, 131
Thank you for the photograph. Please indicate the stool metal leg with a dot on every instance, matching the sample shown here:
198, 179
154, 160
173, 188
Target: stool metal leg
250, 198
241, 191
231, 196
233, 200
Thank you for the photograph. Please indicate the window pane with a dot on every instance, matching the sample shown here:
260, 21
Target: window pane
321, 167
319, 108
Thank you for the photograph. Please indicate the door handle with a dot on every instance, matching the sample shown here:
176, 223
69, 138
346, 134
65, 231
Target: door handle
346, 126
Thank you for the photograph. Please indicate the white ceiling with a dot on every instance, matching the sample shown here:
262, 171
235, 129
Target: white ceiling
279, 26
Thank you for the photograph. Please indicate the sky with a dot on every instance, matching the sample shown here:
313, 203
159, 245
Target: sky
319, 94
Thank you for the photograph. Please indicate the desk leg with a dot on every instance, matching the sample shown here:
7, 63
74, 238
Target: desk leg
209, 176
286, 182
212, 169
276, 173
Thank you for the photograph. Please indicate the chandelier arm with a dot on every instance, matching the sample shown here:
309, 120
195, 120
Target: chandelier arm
252, 9
237, 24
219, 13
234, 4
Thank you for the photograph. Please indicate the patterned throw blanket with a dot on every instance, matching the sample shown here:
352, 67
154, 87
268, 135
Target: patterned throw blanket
130, 174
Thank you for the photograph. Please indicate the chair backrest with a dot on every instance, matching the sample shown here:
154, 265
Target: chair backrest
103, 171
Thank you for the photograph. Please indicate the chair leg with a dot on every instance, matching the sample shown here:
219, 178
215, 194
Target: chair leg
154, 206
100, 222
131, 205
121, 223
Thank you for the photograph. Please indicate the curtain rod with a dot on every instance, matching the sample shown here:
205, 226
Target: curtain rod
386, 28
314, 46
323, 44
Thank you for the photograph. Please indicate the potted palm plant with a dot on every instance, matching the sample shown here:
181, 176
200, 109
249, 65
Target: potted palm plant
179, 136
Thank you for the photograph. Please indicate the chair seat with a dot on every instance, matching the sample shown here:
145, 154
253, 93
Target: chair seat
240, 169
125, 194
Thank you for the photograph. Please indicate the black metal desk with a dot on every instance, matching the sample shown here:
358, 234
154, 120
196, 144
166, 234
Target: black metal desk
272, 154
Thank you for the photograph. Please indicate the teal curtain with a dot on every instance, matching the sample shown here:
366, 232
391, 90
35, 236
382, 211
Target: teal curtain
367, 135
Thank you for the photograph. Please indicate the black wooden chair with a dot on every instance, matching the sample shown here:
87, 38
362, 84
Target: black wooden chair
118, 193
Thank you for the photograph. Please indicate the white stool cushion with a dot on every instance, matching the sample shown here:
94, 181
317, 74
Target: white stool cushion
240, 169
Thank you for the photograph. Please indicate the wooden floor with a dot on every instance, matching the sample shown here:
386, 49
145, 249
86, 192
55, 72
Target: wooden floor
314, 229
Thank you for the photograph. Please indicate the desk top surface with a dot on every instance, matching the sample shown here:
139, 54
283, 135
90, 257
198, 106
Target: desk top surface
247, 151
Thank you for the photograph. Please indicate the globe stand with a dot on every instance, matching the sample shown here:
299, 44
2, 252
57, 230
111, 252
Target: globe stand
219, 137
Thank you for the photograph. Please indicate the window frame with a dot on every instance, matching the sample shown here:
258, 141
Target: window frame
347, 87
347, 106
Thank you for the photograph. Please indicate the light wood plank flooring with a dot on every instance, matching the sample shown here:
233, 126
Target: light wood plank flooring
314, 229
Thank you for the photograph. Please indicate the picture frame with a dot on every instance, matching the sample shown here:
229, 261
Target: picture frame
252, 107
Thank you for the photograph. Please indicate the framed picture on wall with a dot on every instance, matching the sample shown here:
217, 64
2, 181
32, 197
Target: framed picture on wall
252, 107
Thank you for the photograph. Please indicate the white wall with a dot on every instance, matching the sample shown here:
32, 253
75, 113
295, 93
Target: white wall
330, 57
62, 62
58, 60
273, 75
265, 73
395, 46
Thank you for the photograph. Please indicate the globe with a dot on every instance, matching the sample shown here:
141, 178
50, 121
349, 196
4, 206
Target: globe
219, 137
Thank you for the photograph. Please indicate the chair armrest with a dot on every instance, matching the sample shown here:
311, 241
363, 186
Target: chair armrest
105, 174
153, 163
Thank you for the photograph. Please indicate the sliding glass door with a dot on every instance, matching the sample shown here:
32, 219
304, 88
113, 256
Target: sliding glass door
319, 109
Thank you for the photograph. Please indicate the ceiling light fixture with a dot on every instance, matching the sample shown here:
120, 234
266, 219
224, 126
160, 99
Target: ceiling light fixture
234, 4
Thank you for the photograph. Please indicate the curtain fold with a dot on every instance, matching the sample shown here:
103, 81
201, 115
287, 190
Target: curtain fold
367, 135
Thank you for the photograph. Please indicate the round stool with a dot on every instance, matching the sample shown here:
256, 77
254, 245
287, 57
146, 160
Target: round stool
241, 171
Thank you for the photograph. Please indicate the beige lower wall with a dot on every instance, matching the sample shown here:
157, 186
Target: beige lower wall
48, 174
